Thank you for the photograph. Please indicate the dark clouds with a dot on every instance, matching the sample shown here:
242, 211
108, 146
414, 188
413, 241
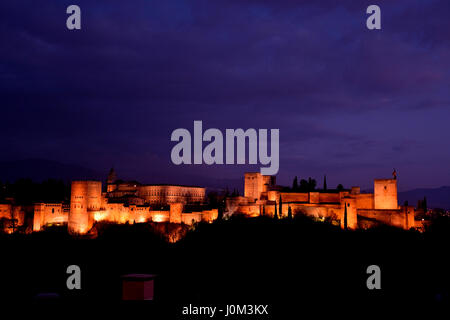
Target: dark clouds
349, 102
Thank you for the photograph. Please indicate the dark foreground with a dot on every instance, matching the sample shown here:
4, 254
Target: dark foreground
293, 266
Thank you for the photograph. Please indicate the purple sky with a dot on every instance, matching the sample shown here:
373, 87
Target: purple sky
349, 102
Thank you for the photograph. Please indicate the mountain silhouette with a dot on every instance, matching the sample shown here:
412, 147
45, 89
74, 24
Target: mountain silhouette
436, 197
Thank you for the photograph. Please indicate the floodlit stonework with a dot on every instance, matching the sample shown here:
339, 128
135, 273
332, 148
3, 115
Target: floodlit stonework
132, 202
261, 196
123, 202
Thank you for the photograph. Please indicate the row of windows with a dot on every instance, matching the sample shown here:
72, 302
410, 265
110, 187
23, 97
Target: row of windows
162, 193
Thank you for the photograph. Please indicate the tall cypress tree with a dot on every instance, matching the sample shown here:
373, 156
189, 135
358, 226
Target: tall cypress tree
281, 207
295, 184
345, 216
220, 212
325, 182
275, 215
289, 212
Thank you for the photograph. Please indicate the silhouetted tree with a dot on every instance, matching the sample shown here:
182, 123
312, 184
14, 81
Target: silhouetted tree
281, 207
275, 215
311, 184
325, 182
289, 212
340, 187
345, 216
304, 185
220, 211
295, 184
264, 210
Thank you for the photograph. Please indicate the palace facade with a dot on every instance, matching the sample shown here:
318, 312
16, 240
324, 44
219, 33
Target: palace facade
124, 202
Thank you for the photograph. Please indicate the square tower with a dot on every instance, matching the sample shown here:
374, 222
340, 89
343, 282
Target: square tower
253, 185
385, 194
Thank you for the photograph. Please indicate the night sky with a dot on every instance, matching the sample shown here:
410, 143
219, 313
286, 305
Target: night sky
350, 103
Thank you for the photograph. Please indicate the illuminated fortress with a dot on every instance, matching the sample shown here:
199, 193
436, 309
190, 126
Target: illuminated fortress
124, 202
350, 207
132, 202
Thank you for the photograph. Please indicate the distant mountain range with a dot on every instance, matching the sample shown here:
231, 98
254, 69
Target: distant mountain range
436, 197
42, 169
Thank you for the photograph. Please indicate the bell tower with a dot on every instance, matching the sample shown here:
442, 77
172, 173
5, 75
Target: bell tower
112, 177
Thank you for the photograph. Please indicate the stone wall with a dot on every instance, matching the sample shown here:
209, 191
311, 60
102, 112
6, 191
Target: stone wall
365, 201
49, 213
401, 218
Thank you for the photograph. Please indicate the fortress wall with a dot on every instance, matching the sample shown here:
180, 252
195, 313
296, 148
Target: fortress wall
313, 210
401, 218
365, 201
352, 217
19, 214
210, 215
160, 216
5, 211
317, 211
355, 190
140, 214
291, 197
111, 212
329, 197
274, 195
343, 194
175, 212
53, 213
385, 194
251, 210
323, 211
232, 204
9, 212
118, 213
314, 197
49, 213
189, 218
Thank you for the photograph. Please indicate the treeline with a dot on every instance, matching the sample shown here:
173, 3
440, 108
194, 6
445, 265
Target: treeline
311, 185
